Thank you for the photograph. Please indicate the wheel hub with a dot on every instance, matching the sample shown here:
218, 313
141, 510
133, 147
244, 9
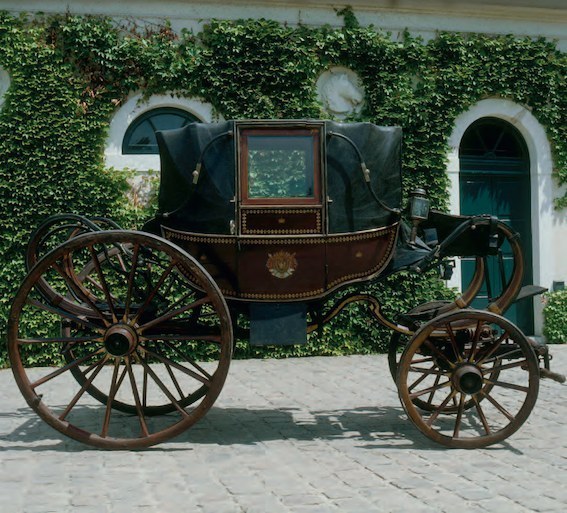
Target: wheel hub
468, 379
120, 340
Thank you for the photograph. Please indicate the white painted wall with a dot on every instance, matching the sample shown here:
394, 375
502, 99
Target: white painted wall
424, 17
543, 18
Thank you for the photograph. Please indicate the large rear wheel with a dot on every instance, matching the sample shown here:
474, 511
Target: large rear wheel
133, 322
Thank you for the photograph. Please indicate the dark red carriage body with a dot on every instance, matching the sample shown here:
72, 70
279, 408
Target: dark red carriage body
282, 210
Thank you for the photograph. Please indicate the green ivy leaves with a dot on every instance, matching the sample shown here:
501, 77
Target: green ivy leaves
69, 73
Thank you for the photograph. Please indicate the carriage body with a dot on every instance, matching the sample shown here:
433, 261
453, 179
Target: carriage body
269, 219
279, 211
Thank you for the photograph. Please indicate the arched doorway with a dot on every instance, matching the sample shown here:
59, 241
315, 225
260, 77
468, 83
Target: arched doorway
495, 179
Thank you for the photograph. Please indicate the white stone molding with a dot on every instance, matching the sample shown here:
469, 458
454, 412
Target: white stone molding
549, 226
340, 92
135, 107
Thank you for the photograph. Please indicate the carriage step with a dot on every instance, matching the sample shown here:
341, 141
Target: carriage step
530, 291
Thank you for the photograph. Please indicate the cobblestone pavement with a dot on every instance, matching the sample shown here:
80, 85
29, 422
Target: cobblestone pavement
300, 435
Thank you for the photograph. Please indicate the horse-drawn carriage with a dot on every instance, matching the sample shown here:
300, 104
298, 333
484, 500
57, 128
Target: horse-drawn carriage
261, 226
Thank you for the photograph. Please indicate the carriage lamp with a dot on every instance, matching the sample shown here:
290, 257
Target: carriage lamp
418, 210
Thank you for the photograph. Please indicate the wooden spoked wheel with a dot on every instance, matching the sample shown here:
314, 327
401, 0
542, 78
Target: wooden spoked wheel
148, 333
458, 360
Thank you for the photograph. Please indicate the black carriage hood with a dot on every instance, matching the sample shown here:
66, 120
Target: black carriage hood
208, 206
353, 207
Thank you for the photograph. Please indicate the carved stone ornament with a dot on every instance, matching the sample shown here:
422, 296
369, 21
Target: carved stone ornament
340, 92
281, 264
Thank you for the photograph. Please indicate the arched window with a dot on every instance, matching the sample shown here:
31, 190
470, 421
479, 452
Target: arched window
492, 140
140, 136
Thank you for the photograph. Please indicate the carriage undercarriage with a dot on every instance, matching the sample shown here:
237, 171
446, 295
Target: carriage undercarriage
146, 326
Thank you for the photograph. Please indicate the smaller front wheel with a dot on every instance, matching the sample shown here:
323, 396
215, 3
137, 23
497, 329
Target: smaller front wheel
458, 360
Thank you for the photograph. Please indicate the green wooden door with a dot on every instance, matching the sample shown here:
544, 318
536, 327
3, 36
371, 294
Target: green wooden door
495, 180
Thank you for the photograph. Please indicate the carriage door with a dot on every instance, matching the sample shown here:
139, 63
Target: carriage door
281, 254
495, 179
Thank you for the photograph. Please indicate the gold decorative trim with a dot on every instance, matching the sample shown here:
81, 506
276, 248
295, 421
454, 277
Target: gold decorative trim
282, 211
297, 295
316, 211
171, 234
372, 270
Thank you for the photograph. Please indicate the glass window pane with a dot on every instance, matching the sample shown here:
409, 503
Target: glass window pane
280, 166
140, 137
168, 121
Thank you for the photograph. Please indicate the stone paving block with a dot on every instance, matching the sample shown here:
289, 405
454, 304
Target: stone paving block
281, 439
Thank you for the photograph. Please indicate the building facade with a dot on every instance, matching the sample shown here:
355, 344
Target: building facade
500, 159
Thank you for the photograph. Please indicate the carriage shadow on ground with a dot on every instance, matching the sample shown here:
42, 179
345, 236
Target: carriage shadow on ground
361, 427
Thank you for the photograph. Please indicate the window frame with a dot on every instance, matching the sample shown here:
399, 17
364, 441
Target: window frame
146, 117
313, 132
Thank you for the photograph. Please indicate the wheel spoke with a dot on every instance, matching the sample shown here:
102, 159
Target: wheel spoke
521, 363
511, 386
179, 367
64, 315
498, 406
155, 290
453, 342
164, 388
432, 394
103, 283
439, 354
98, 366
131, 281
59, 340
77, 290
174, 381
430, 371
67, 367
458, 420
114, 386
503, 356
420, 379
145, 382
430, 389
433, 417
481, 415
171, 314
139, 410
493, 349
474, 345
180, 301
189, 360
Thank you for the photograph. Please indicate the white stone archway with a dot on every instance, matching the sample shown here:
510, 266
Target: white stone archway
135, 106
546, 222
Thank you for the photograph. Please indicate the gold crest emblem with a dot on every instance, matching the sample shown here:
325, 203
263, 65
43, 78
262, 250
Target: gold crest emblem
281, 264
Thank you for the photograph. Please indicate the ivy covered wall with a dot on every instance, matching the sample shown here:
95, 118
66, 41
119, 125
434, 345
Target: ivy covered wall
69, 74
